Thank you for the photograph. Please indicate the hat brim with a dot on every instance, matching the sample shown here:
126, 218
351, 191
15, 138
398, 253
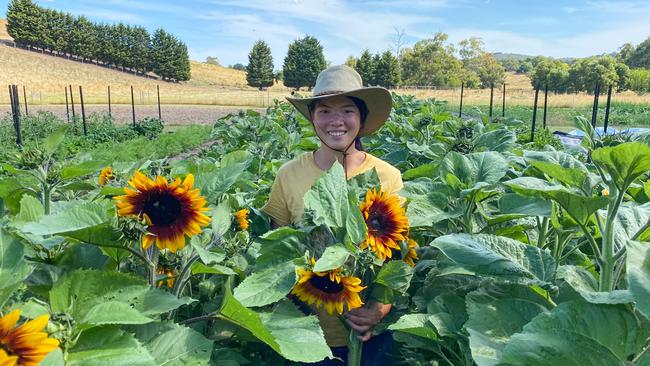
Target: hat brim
378, 101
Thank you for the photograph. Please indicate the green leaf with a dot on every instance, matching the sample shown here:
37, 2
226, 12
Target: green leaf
221, 219
586, 285
426, 210
54, 358
200, 268
355, 224
174, 345
286, 330
268, 286
493, 320
424, 170
415, 324
218, 181
83, 216
472, 169
81, 169
31, 209
624, 162
13, 268
511, 203
578, 333
327, 200
280, 245
108, 346
572, 177
491, 255
333, 257
579, 207
638, 274
91, 297
395, 275
53, 141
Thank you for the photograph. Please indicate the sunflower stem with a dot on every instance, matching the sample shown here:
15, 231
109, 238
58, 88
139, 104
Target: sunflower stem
355, 349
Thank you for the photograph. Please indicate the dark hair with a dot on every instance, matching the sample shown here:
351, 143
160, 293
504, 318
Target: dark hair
363, 112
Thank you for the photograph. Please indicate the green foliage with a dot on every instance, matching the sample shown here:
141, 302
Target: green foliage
639, 56
387, 71
303, 63
639, 80
431, 62
552, 73
585, 72
366, 68
259, 72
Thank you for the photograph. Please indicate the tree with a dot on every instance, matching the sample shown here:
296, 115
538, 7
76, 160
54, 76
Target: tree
239, 67
25, 22
398, 41
624, 52
490, 72
366, 68
169, 57
551, 72
351, 61
585, 72
431, 62
259, 72
387, 71
640, 56
303, 63
211, 60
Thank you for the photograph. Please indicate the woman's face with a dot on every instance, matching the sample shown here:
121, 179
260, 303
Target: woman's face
337, 121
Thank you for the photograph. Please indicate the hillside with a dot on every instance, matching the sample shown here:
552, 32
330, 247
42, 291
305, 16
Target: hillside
3, 30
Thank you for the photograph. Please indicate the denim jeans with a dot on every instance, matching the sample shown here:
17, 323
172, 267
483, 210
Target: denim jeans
375, 353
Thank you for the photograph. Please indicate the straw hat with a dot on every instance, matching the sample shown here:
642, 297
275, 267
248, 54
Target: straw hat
345, 81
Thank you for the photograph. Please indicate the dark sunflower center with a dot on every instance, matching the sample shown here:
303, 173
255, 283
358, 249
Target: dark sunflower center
163, 209
377, 222
324, 284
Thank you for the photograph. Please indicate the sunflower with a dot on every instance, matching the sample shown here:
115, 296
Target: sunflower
25, 345
241, 217
171, 211
411, 256
105, 175
329, 289
169, 281
386, 221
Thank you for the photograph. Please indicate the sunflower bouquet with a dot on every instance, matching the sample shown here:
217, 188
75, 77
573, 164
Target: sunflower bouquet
368, 255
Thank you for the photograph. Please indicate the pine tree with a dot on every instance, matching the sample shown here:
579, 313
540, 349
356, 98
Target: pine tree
259, 71
26, 23
387, 71
303, 63
366, 68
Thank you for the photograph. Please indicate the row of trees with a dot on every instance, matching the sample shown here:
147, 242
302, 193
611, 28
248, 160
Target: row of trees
122, 46
581, 75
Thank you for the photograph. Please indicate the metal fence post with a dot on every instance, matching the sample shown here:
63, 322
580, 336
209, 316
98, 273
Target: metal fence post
83, 110
532, 128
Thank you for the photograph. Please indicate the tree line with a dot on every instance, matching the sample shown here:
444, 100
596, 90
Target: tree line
114, 45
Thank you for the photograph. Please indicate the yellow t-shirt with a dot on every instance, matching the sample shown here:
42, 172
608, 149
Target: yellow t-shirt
285, 206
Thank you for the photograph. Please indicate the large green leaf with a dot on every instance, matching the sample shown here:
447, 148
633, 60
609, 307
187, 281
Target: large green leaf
53, 141
333, 257
77, 217
638, 274
13, 268
173, 345
557, 157
578, 333
417, 325
81, 169
286, 330
327, 200
395, 275
630, 223
493, 320
572, 177
579, 207
100, 297
484, 167
586, 285
108, 346
500, 140
31, 209
268, 286
221, 219
511, 203
54, 358
497, 256
217, 181
280, 245
624, 162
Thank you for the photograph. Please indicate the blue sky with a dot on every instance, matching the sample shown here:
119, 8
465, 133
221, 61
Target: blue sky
227, 29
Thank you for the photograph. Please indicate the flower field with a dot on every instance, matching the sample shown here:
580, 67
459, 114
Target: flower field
497, 252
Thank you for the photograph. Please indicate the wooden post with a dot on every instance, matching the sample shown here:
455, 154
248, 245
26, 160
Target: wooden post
532, 128
503, 104
462, 88
11, 101
15, 103
25, 98
83, 110
491, 100
594, 110
545, 102
67, 108
74, 115
609, 101
132, 106
109, 102
159, 112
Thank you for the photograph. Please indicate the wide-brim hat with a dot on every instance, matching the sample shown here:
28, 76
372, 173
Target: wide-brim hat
345, 81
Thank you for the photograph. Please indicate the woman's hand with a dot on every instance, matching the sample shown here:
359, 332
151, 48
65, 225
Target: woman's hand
364, 319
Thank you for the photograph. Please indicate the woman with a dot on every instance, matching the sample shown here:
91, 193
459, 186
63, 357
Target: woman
341, 112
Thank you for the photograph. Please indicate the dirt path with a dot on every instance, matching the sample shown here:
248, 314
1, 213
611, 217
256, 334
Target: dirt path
171, 114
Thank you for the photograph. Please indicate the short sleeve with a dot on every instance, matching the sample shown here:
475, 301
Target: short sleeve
276, 206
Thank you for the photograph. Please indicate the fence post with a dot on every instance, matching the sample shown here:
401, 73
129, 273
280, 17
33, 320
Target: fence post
545, 102
594, 110
74, 115
109, 103
15, 107
67, 108
609, 101
159, 112
83, 110
532, 128
462, 88
503, 105
25, 97
132, 106
491, 99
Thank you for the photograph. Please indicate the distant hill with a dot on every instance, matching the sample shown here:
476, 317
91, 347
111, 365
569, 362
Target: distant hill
507, 56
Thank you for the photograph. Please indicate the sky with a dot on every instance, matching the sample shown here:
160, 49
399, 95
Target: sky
227, 29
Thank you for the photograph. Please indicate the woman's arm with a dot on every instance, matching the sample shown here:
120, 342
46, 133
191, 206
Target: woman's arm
364, 319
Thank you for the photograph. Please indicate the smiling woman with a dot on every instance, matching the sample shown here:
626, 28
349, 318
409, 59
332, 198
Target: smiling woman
341, 111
